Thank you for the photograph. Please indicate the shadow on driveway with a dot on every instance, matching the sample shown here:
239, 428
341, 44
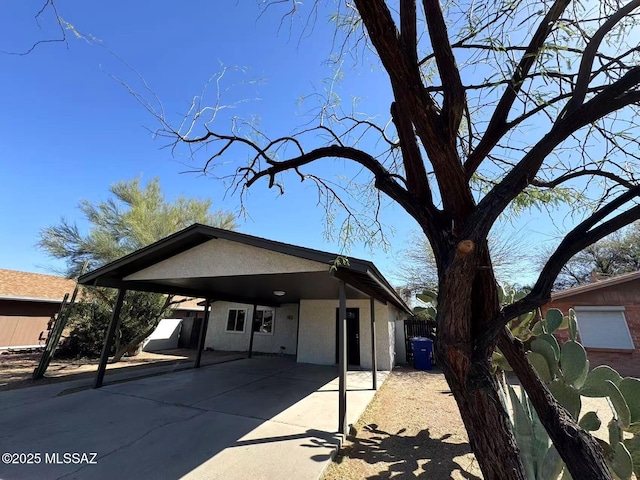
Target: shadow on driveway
255, 418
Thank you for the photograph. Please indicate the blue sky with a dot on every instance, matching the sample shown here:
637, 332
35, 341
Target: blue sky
69, 130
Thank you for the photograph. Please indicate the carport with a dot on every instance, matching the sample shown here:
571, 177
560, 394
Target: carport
220, 265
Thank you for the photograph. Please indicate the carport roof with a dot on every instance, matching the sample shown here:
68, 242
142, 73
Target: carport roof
360, 274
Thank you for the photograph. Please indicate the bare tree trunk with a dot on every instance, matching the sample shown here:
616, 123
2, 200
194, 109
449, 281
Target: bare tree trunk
487, 423
140, 338
467, 301
475, 389
117, 343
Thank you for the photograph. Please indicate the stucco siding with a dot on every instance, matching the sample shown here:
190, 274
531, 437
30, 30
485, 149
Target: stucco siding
223, 258
317, 337
285, 327
396, 318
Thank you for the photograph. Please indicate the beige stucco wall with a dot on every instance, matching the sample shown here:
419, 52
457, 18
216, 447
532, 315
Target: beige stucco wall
220, 257
317, 336
284, 330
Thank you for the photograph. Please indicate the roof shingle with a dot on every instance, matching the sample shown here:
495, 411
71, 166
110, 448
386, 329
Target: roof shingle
16, 284
38, 286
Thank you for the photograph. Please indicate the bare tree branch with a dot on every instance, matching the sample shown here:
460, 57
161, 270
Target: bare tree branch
583, 173
454, 101
406, 81
586, 63
580, 237
497, 125
61, 24
608, 100
417, 181
408, 29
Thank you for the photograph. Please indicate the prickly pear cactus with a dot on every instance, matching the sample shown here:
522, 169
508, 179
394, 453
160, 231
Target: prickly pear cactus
540, 458
565, 370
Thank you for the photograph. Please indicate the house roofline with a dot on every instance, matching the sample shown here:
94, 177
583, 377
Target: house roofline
198, 234
210, 233
589, 287
30, 299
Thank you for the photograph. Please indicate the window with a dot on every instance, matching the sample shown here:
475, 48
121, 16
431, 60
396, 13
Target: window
263, 323
603, 327
235, 320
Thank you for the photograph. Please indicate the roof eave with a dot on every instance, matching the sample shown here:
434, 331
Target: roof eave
16, 298
110, 276
570, 292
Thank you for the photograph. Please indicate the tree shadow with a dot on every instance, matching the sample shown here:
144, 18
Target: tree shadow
419, 456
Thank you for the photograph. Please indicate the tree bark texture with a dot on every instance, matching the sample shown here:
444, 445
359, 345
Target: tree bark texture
483, 414
467, 301
468, 371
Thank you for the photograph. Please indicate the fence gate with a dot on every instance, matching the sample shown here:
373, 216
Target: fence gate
417, 328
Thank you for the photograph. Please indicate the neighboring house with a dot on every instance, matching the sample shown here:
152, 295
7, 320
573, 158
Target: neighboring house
608, 314
268, 296
28, 301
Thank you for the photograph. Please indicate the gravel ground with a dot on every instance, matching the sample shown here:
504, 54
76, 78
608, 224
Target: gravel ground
412, 429
16, 368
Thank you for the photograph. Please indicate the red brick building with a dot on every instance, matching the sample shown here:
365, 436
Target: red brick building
29, 300
608, 313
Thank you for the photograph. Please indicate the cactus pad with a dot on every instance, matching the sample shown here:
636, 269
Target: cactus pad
590, 422
594, 384
630, 389
553, 319
573, 361
619, 403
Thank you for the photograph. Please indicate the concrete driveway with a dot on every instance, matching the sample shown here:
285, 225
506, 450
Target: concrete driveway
260, 418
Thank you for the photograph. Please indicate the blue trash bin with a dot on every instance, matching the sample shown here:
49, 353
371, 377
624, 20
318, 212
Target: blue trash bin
422, 353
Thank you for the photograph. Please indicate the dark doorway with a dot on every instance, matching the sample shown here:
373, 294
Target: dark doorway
353, 335
189, 333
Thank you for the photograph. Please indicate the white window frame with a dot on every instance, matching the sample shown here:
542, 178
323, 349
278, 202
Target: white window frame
244, 325
605, 308
273, 321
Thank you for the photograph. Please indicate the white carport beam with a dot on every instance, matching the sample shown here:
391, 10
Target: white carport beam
342, 359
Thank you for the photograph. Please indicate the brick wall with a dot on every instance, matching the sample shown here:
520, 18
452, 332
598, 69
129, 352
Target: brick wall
626, 295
